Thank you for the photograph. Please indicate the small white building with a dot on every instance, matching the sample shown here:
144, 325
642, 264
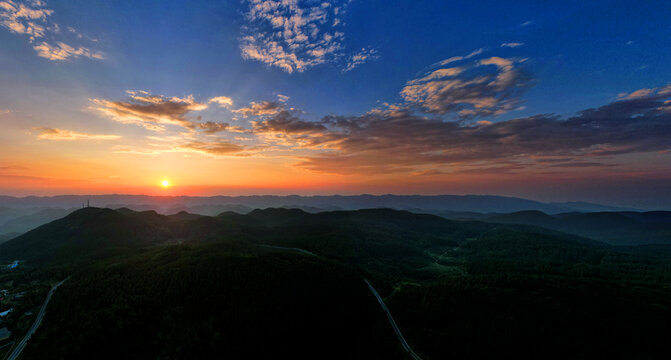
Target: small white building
5, 313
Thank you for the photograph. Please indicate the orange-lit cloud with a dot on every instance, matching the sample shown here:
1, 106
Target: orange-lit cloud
398, 140
260, 108
223, 101
62, 51
150, 111
219, 147
47, 133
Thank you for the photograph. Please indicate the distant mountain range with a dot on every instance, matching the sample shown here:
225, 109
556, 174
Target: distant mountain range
163, 204
21, 214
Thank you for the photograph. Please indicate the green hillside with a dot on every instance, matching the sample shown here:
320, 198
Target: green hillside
283, 282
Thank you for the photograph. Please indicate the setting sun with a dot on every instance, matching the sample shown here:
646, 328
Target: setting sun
165, 183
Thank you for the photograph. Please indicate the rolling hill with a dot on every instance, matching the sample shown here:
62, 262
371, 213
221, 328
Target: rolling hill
280, 282
617, 228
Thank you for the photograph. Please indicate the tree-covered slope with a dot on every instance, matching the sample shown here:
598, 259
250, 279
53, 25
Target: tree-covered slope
215, 301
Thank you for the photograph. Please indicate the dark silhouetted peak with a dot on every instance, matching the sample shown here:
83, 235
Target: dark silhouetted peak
277, 212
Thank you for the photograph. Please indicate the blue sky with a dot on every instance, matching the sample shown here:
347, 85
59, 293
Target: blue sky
582, 53
73, 71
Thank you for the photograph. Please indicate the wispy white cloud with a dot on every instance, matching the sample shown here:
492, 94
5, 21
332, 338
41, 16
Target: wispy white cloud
459, 58
47, 133
293, 35
512, 44
32, 18
362, 56
485, 87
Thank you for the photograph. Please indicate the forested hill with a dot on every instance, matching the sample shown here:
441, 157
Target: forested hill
283, 282
617, 228
95, 233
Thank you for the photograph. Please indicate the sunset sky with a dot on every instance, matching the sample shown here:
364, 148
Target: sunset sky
561, 101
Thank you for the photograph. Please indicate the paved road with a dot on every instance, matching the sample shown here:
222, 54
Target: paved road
404, 343
393, 323
38, 320
303, 251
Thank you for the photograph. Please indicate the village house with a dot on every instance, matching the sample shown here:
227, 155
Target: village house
5, 336
5, 313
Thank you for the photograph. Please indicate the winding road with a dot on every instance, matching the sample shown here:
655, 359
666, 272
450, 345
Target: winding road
38, 320
302, 251
404, 343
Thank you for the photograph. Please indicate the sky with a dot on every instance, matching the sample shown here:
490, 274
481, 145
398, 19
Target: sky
552, 101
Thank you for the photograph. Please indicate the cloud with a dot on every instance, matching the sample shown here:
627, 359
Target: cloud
459, 58
211, 127
62, 51
636, 94
486, 87
292, 35
398, 139
223, 101
527, 23
260, 108
150, 111
512, 44
282, 98
47, 133
216, 148
361, 57
24, 18
286, 123
33, 19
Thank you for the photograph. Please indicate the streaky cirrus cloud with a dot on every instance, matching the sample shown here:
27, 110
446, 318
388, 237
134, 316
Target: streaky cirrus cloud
150, 111
645, 92
32, 18
63, 51
512, 44
47, 133
484, 87
399, 140
459, 58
